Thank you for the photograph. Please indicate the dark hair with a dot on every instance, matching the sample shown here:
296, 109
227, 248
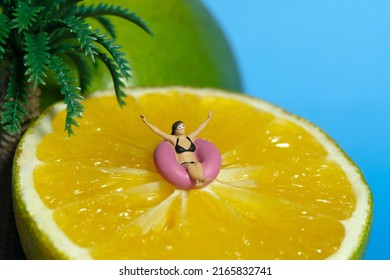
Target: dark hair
175, 125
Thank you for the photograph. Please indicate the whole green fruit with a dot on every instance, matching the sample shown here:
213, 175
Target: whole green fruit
188, 47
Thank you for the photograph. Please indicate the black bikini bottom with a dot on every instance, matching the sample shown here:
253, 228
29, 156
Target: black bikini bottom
192, 162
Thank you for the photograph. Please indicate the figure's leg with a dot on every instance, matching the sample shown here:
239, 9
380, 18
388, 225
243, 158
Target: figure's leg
195, 170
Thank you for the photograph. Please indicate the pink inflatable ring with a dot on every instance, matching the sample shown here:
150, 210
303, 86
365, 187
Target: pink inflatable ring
170, 169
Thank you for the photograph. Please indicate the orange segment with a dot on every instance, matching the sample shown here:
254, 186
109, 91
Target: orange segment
285, 190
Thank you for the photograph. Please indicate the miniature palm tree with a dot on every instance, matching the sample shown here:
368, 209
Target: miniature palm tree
35, 38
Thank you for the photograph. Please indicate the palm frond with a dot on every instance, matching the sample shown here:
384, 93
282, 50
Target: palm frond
48, 4
13, 108
111, 10
51, 7
113, 49
74, 108
116, 77
64, 8
107, 25
37, 57
5, 29
83, 34
84, 70
25, 15
35, 36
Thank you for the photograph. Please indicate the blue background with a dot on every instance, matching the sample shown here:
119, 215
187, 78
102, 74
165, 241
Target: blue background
329, 62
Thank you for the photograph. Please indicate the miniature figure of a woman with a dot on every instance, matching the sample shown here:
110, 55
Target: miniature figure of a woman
184, 147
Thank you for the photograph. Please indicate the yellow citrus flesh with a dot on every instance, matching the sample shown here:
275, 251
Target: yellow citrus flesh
285, 190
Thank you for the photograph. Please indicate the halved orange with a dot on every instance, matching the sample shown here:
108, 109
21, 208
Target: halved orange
285, 190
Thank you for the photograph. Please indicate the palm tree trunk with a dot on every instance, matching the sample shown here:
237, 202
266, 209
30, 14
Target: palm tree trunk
10, 247
9, 241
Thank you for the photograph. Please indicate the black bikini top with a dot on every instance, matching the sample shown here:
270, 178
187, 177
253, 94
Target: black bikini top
179, 149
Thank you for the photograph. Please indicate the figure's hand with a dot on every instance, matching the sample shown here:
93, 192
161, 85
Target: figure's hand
144, 119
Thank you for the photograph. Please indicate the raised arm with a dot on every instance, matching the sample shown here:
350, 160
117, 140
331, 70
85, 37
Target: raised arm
195, 133
156, 130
